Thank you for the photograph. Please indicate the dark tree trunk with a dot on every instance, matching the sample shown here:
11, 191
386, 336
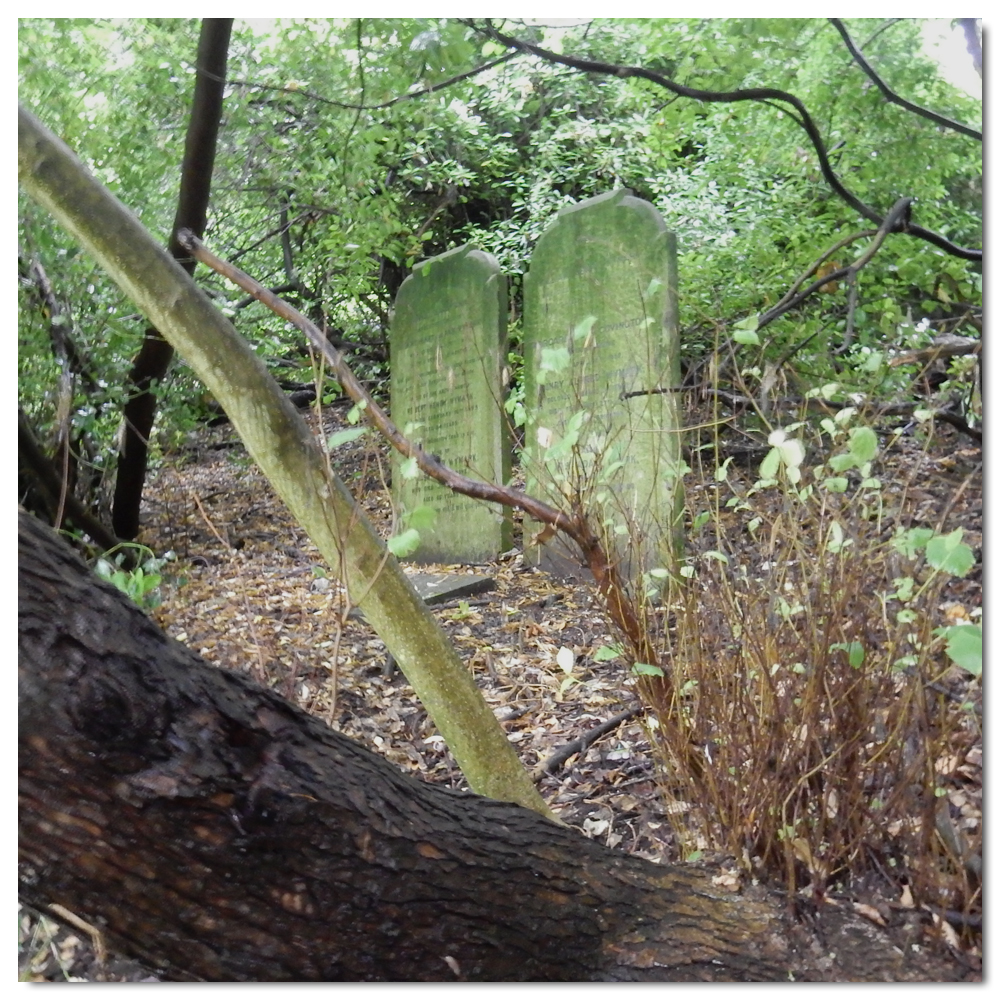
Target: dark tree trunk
973, 42
51, 492
217, 832
151, 363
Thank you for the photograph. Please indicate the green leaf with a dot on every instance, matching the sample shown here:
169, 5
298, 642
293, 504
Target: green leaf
744, 332
769, 467
950, 554
910, 541
721, 471
354, 413
554, 359
422, 518
717, 556
863, 444
701, 519
842, 462
345, 436
965, 646
582, 329
855, 652
409, 469
404, 544
835, 541
646, 670
606, 653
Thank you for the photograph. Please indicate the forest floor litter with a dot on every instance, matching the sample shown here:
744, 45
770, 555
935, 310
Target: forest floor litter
248, 591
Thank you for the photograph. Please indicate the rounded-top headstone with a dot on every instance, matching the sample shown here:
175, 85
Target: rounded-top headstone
447, 348
601, 354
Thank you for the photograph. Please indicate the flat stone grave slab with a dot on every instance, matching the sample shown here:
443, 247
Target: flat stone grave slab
447, 346
437, 588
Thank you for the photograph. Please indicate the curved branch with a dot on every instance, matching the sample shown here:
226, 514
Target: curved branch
890, 95
762, 94
468, 74
816, 264
897, 221
564, 753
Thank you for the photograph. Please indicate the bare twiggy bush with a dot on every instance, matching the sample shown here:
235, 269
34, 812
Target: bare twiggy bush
811, 730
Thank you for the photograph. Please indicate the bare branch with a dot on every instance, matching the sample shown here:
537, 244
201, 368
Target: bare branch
897, 221
890, 95
412, 95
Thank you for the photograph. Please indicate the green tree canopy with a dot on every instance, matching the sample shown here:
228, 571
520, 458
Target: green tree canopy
352, 148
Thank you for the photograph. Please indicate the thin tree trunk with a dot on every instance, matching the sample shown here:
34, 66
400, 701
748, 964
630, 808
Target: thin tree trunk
151, 363
217, 832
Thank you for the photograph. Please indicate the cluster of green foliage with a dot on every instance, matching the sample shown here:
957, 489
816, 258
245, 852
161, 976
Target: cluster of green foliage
331, 136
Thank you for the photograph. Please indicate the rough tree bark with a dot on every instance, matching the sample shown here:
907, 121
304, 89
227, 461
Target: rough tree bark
219, 833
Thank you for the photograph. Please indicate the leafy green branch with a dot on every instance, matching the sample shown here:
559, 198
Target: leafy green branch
796, 110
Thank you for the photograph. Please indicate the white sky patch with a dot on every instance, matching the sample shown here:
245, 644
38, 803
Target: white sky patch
946, 46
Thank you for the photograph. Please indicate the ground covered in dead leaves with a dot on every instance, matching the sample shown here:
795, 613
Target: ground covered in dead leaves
248, 591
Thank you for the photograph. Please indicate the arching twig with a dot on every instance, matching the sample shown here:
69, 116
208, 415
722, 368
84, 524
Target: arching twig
895, 222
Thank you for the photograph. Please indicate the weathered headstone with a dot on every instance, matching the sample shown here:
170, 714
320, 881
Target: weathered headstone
600, 346
448, 346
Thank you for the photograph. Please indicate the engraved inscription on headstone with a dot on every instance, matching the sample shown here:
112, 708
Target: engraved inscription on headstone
600, 337
447, 349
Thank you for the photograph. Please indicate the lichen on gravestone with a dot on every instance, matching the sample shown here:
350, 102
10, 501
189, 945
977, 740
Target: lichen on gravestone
448, 346
601, 356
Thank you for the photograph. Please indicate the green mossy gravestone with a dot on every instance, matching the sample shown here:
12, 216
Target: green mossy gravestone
600, 338
448, 345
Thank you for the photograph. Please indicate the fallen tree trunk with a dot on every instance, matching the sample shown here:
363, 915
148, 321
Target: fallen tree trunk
216, 832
